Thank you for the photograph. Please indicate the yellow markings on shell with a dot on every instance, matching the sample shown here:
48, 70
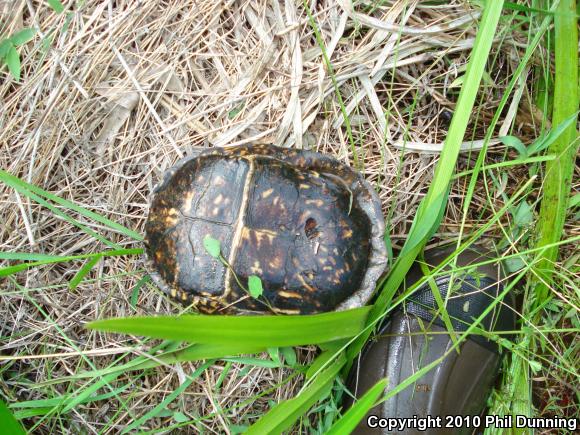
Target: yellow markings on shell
267, 193
347, 234
285, 311
219, 181
171, 216
305, 284
316, 202
276, 199
215, 211
256, 268
275, 263
173, 293
263, 234
286, 294
327, 268
170, 221
304, 186
218, 199
188, 201
183, 296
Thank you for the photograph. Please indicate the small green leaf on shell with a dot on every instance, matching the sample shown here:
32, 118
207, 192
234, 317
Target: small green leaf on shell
212, 246
255, 286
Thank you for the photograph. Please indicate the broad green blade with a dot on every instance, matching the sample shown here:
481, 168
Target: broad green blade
8, 423
266, 331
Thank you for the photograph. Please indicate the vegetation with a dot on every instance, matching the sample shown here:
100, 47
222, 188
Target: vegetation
118, 93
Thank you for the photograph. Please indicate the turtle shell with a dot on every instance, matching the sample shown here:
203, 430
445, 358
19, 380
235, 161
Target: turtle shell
307, 225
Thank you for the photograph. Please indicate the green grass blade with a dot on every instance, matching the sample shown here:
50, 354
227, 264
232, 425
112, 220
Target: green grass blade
348, 422
10, 270
557, 182
284, 414
446, 165
556, 192
266, 331
83, 271
27, 256
8, 422
22, 186
66, 217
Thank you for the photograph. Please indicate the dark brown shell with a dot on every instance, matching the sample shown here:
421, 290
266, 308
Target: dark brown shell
310, 227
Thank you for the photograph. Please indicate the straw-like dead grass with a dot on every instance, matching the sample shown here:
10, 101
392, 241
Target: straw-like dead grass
123, 89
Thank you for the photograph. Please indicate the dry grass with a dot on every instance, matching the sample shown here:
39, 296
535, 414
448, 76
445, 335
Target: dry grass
126, 87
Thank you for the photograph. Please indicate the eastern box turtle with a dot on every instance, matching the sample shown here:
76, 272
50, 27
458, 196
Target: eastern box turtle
308, 226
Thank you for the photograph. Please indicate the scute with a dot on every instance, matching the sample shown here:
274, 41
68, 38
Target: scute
295, 239
193, 197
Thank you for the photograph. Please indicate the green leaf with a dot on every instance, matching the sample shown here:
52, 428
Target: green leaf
8, 423
4, 47
283, 415
535, 366
574, 201
12, 60
56, 5
232, 113
514, 264
22, 37
515, 143
289, 355
236, 429
274, 353
545, 141
255, 286
266, 331
523, 214
135, 292
457, 82
212, 246
356, 413
83, 271
180, 417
